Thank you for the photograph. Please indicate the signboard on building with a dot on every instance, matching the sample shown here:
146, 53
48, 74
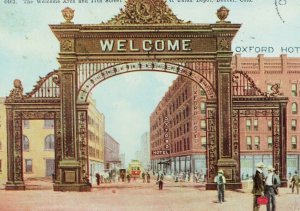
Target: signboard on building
160, 152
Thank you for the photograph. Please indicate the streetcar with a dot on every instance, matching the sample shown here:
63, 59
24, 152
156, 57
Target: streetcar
135, 168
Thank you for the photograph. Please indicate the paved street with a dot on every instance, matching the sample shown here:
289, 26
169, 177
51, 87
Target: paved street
134, 196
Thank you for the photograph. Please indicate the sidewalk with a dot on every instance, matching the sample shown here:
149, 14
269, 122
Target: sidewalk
146, 198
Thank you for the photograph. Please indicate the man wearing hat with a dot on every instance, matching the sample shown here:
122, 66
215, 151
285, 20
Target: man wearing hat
220, 180
295, 182
258, 185
271, 188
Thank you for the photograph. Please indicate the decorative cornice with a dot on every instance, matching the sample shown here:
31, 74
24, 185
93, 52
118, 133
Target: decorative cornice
145, 12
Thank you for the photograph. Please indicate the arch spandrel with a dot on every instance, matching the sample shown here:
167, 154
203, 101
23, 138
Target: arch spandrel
88, 82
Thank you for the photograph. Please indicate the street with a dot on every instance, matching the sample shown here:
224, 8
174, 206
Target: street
135, 196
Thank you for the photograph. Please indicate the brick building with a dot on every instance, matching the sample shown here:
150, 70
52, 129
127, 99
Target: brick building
176, 121
256, 133
183, 109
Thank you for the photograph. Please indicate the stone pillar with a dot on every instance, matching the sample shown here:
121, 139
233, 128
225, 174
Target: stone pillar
283, 148
211, 150
15, 180
226, 160
70, 167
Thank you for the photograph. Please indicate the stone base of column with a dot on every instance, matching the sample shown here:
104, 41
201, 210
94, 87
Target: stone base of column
284, 183
229, 186
15, 186
72, 187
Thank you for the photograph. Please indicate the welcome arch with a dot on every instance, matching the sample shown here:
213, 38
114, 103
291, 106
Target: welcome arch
89, 81
145, 36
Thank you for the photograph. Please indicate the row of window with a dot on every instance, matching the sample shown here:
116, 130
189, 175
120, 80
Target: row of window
180, 146
48, 143
180, 116
48, 124
253, 125
269, 141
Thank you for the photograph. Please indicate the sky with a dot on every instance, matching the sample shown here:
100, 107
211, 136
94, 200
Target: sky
28, 49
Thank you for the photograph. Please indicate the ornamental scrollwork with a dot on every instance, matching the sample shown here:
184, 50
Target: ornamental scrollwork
145, 12
244, 85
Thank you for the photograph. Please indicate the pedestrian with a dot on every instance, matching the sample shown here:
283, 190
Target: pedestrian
148, 177
271, 188
128, 178
220, 181
196, 176
143, 177
295, 182
160, 178
258, 185
98, 178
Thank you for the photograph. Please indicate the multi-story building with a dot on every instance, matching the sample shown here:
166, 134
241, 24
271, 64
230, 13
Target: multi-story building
111, 153
38, 147
177, 132
145, 150
122, 159
3, 143
256, 133
169, 119
96, 128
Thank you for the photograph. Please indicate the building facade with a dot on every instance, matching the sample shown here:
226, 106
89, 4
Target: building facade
177, 134
39, 144
145, 150
111, 153
122, 159
180, 117
256, 133
96, 128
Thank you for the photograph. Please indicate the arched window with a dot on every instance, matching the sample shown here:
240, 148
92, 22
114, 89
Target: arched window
294, 108
49, 142
25, 143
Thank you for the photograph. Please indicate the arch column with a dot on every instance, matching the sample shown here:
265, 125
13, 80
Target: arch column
15, 180
71, 178
282, 148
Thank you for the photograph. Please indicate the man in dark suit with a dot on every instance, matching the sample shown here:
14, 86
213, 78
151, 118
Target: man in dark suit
258, 185
271, 188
